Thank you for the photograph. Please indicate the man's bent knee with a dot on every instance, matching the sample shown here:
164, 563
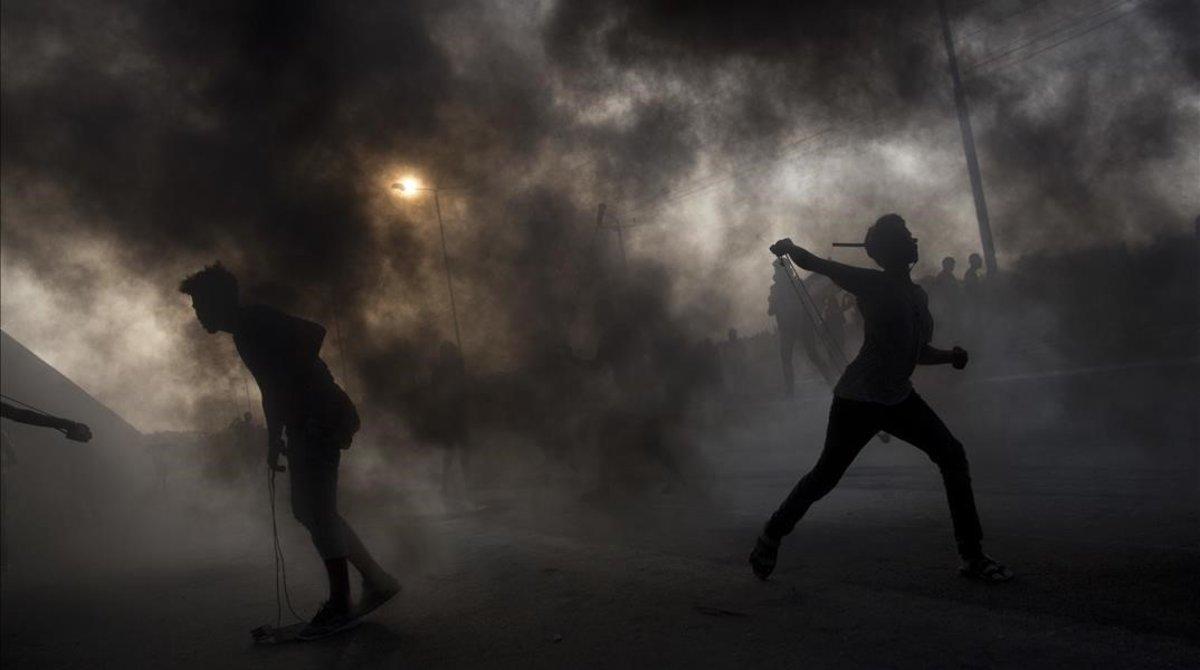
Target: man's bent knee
951, 458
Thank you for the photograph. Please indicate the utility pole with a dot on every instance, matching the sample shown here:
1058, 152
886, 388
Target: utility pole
620, 233
968, 139
437, 204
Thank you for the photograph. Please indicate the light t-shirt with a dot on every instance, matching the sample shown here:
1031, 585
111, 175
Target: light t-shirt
897, 326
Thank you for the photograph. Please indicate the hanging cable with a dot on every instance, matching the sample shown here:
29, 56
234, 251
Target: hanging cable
280, 564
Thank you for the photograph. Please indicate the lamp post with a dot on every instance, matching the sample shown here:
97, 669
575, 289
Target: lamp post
406, 187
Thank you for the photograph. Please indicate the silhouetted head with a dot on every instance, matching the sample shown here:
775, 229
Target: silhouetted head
890, 244
214, 292
975, 261
948, 264
733, 335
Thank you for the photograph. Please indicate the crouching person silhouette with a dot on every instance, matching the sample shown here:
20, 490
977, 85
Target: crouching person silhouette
301, 402
875, 394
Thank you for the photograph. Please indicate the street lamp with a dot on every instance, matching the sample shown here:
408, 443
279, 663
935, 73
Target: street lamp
409, 188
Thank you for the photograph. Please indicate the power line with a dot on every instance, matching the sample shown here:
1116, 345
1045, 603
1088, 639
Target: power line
1002, 19
710, 102
753, 164
1071, 38
1058, 28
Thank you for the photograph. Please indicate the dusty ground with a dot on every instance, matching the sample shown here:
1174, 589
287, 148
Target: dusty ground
1107, 552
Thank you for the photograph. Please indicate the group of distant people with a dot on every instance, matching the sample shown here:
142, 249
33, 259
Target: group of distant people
955, 303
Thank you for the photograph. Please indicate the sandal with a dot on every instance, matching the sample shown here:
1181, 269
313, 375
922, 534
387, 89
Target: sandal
985, 569
762, 558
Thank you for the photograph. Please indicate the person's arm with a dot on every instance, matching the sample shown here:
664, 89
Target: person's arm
73, 429
956, 357
848, 277
272, 412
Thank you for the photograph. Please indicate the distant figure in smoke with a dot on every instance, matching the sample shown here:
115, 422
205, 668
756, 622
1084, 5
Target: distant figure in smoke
733, 355
447, 410
973, 295
302, 401
559, 391
833, 311
972, 282
875, 394
228, 453
794, 323
639, 421
945, 294
73, 430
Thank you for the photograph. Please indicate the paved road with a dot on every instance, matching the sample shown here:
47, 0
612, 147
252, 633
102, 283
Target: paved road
1100, 524
868, 582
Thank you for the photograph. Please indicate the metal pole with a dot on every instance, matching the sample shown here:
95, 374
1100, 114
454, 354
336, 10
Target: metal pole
621, 242
620, 235
437, 204
968, 139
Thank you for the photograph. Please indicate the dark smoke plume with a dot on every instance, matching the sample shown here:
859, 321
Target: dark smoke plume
266, 134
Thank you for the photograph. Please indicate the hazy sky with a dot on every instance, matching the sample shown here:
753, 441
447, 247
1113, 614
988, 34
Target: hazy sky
141, 140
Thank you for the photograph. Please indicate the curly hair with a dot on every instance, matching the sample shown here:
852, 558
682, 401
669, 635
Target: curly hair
213, 280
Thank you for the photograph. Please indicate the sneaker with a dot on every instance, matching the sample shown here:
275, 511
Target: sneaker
376, 594
762, 558
329, 620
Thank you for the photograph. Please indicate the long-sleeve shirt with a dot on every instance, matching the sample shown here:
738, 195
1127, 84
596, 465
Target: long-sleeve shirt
897, 327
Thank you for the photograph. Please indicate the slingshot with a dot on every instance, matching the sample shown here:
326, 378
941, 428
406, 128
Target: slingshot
836, 354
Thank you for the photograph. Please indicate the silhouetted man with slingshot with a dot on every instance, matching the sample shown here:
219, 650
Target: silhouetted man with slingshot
875, 394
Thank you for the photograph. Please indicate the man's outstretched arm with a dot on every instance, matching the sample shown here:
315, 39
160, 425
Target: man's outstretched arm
73, 429
848, 277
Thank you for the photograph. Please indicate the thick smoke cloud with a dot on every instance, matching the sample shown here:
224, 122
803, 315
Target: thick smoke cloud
1062, 139
267, 134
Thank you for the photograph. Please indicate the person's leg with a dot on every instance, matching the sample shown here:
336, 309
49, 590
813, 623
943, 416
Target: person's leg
916, 423
462, 444
313, 476
616, 439
360, 557
378, 586
851, 426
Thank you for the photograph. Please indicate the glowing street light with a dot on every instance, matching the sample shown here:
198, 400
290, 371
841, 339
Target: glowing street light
410, 187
